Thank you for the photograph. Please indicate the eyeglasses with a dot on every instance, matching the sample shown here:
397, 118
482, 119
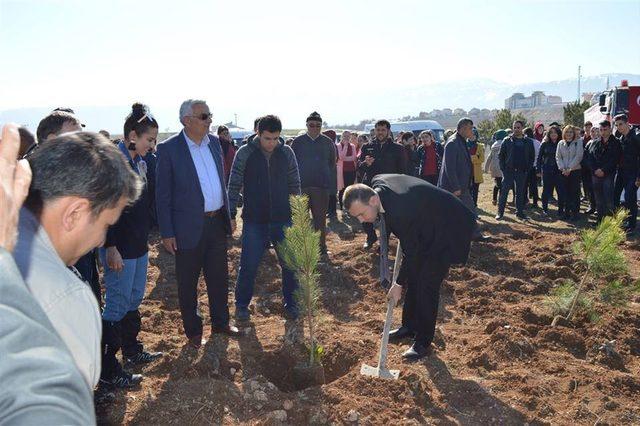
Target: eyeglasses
204, 116
30, 151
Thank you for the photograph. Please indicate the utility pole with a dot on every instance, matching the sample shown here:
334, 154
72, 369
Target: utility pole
578, 100
607, 82
236, 118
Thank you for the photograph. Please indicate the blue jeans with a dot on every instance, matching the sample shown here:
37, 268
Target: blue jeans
255, 240
510, 180
603, 192
125, 289
551, 181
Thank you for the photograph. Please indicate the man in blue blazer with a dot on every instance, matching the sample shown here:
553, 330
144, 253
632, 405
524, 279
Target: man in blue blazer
194, 219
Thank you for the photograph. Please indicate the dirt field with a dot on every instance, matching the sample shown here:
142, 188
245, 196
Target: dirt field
497, 359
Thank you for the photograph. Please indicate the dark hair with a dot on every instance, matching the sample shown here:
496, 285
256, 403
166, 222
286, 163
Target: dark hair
604, 123
27, 141
588, 123
64, 109
357, 192
52, 124
222, 128
465, 121
81, 164
528, 131
621, 117
256, 122
269, 123
384, 123
557, 130
518, 121
139, 120
407, 135
105, 133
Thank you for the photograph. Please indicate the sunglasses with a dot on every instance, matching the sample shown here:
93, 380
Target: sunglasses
204, 116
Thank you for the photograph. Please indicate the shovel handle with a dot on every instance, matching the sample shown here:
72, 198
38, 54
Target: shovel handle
382, 358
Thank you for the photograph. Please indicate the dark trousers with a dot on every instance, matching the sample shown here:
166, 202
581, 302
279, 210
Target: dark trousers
475, 190
630, 196
432, 179
318, 202
332, 205
513, 180
420, 309
111, 344
618, 187
603, 193
497, 184
349, 179
587, 186
210, 257
255, 240
550, 182
88, 269
571, 185
532, 186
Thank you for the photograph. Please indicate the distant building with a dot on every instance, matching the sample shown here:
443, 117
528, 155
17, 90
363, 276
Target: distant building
537, 100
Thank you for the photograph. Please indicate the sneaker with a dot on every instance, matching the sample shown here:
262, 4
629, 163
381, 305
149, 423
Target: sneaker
499, 216
123, 380
143, 357
545, 212
242, 314
522, 216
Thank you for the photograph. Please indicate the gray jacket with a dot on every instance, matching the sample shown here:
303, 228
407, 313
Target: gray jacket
492, 164
456, 173
67, 301
40, 382
569, 157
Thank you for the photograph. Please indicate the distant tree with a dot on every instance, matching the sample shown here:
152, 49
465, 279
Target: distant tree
574, 113
486, 129
504, 119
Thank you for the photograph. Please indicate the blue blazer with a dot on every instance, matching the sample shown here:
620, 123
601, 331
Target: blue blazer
179, 199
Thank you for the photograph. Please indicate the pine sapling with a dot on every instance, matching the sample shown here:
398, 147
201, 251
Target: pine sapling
300, 251
599, 252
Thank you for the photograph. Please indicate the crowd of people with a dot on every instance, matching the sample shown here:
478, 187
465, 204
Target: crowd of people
596, 161
91, 203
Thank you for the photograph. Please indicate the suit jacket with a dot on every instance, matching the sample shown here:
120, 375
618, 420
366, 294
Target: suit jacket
179, 199
456, 173
429, 222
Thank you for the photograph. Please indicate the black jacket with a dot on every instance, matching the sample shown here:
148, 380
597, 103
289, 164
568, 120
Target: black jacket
603, 156
506, 154
130, 235
430, 223
412, 161
630, 158
265, 183
389, 157
546, 161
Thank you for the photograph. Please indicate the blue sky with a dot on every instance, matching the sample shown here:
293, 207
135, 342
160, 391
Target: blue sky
284, 55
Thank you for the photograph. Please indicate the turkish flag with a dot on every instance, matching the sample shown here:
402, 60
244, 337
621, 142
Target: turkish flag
634, 105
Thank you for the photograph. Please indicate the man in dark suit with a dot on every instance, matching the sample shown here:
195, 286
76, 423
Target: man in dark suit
435, 230
194, 219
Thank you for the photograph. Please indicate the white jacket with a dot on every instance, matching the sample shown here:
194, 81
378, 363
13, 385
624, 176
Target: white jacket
569, 156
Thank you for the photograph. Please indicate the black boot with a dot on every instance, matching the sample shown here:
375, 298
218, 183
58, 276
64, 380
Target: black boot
418, 350
110, 345
400, 333
132, 349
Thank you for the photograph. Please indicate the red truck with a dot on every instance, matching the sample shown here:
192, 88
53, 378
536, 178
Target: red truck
621, 99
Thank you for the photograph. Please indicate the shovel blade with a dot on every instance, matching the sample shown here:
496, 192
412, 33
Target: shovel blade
383, 373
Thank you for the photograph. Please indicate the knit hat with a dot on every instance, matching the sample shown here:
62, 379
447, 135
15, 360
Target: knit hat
499, 135
314, 116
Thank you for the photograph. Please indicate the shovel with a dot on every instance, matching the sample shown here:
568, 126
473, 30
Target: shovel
381, 370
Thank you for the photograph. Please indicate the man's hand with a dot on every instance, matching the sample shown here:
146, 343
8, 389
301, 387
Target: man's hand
369, 160
599, 173
395, 293
114, 259
170, 245
457, 193
15, 178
